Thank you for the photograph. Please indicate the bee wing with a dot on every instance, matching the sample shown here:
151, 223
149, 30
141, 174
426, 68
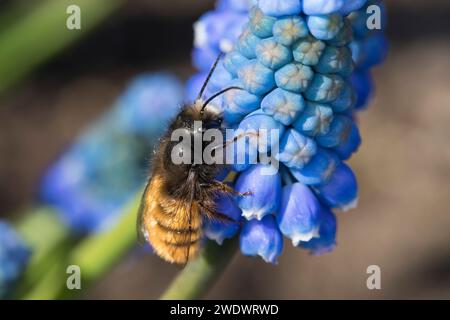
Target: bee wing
140, 230
189, 193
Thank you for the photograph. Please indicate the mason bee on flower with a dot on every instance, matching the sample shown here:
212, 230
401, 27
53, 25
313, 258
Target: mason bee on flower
179, 195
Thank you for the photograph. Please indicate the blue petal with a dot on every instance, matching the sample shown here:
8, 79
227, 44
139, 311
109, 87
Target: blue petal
318, 170
344, 36
260, 24
350, 145
363, 84
315, 7
300, 213
358, 20
296, 150
336, 60
325, 27
257, 79
308, 51
218, 230
325, 88
340, 129
376, 49
358, 52
220, 78
315, 119
272, 54
247, 42
341, 190
242, 157
288, 30
279, 8
327, 235
265, 188
352, 5
283, 105
346, 100
262, 238
258, 121
233, 61
238, 103
294, 77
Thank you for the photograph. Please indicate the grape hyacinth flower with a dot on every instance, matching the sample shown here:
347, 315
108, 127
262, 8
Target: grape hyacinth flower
306, 64
14, 257
107, 165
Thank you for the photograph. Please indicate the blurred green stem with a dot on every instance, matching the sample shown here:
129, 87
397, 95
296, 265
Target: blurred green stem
200, 275
48, 237
42, 32
98, 253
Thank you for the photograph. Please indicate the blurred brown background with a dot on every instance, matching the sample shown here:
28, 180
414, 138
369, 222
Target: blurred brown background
403, 219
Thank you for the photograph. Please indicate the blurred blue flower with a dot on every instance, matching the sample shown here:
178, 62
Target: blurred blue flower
304, 66
107, 164
236, 5
14, 257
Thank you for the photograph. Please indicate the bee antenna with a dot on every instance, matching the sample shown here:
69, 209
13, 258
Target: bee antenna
209, 76
216, 95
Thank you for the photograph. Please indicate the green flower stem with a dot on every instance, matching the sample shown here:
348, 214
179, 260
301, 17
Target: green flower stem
51, 282
42, 33
195, 280
43, 231
98, 253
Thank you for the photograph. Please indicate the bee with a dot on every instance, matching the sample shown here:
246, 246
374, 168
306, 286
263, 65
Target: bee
179, 196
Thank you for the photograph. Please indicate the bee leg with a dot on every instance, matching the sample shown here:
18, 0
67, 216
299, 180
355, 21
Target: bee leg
224, 188
218, 216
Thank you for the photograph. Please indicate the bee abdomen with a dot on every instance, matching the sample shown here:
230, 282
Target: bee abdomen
174, 236
171, 235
